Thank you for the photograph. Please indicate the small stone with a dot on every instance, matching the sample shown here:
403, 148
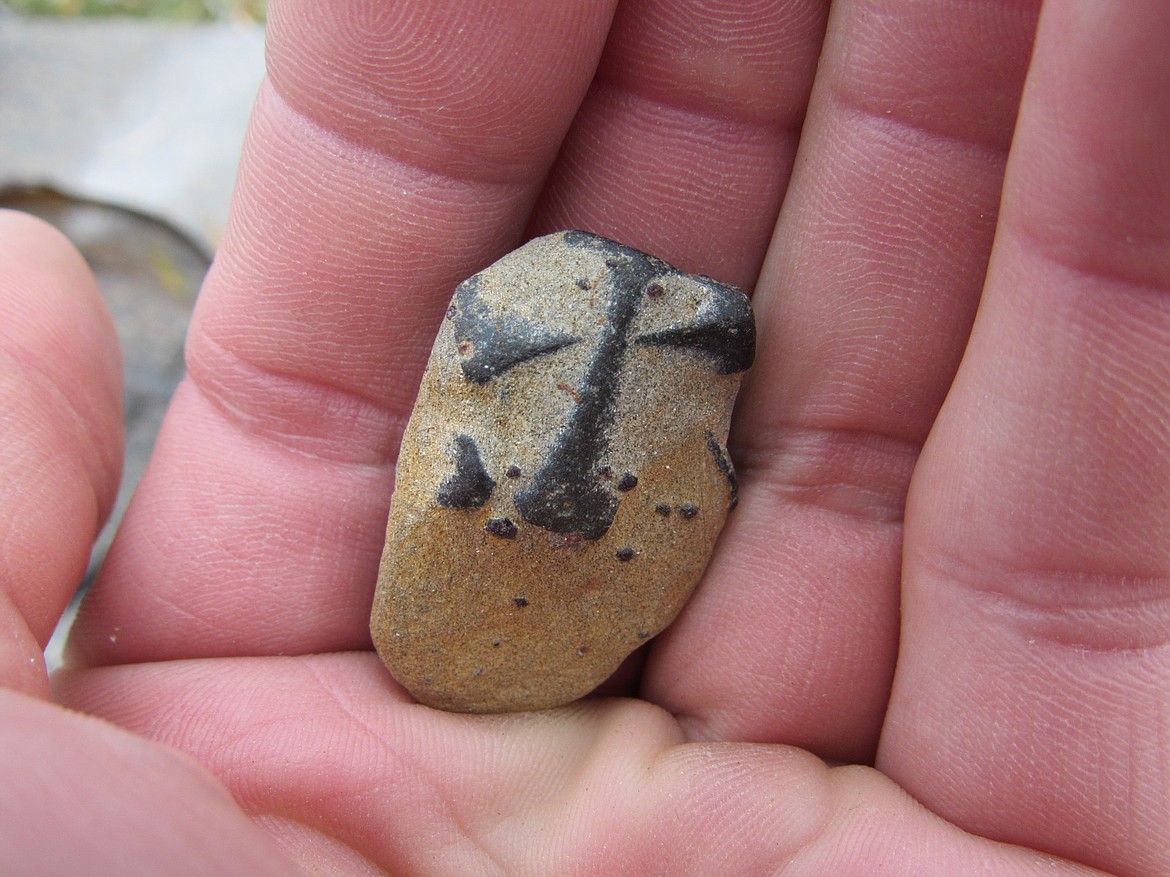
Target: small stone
627, 482
563, 364
502, 528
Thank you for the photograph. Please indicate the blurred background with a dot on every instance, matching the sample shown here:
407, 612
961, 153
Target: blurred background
121, 122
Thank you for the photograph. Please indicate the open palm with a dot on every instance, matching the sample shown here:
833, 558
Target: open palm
947, 575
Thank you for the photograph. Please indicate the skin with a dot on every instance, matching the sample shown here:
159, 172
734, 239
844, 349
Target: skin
933, 639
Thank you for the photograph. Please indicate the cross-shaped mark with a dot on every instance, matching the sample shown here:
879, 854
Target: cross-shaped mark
565, 494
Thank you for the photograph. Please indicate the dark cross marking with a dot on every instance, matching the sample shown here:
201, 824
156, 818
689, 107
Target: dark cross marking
720, 333
471, 486
496, 342
501, 528
564, 495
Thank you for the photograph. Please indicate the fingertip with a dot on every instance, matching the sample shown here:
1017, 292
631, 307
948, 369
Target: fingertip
53, 317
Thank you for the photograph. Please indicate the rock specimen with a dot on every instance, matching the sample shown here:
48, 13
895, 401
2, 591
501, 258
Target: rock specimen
564, 475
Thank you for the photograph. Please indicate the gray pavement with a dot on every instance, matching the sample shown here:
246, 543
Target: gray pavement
126, 112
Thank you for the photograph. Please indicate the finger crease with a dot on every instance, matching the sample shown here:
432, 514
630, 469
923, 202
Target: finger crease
864, 475
309, 417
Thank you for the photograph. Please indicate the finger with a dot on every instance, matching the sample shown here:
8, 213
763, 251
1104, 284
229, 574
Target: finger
684, 143
395, 149
862, 306
347, 776
81, 797
60, 436
1031, 700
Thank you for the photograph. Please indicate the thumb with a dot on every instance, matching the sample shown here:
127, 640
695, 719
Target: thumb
60, 436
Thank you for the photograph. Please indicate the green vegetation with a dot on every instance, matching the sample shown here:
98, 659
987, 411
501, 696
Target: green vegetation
172, 10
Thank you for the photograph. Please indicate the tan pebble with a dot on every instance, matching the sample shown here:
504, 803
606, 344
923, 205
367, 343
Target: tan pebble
564, 476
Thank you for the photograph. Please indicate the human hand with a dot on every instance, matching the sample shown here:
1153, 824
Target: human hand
982, 625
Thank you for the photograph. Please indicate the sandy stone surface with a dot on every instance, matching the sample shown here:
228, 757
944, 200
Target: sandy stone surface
564, 476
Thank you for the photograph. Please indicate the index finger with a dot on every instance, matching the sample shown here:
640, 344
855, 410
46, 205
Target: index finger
394, 149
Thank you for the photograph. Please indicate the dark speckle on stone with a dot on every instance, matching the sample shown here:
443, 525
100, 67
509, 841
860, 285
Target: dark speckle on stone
605, 472
688, 510
451, 312
655, 290
513, 472
625, 555
663, 509
582, 651
627, 482
643, 634
520, 602
501, 528
583, 283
